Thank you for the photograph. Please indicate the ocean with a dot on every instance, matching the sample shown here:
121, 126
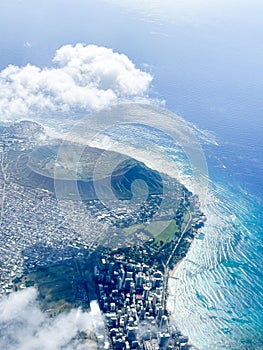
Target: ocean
218, 293
214, 83
207, 64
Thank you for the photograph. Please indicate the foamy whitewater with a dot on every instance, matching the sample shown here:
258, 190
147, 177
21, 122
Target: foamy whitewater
218, 291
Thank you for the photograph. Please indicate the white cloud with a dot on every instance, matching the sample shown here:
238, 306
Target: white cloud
87, 78
24, 327
27, 44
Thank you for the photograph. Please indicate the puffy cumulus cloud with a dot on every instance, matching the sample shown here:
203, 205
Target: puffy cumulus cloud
24, 327
82, 77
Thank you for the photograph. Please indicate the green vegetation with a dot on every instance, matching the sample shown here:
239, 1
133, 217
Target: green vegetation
62, 286
157, 253
165, 231
162, 231
69, 163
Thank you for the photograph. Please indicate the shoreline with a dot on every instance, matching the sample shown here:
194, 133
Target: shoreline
171, 312
172, 271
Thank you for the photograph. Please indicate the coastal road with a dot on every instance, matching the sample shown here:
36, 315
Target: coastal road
166, 266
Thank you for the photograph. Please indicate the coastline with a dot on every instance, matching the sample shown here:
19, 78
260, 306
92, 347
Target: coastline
172, 271
172, 317
170, 298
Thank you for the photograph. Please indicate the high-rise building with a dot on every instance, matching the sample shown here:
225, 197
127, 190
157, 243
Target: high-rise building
164, 322
139, 279
132, 288
127, 284
119, 283
163, 338
146, 293
132, 333
160, 313
129, 274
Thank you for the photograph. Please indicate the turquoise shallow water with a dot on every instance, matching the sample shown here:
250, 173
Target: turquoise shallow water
218, 294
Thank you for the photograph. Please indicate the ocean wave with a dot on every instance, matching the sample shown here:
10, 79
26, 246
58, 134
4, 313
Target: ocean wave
218, 286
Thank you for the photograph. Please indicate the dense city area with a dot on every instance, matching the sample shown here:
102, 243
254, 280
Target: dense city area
132, 297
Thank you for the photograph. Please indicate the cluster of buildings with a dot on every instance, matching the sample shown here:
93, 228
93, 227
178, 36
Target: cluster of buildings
36, 229
131, 296
34, 232
125, 214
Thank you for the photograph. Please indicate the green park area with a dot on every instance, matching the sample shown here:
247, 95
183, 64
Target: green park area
61, 286
162, 231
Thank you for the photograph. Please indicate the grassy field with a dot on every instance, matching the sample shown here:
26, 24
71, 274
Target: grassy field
163, 230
